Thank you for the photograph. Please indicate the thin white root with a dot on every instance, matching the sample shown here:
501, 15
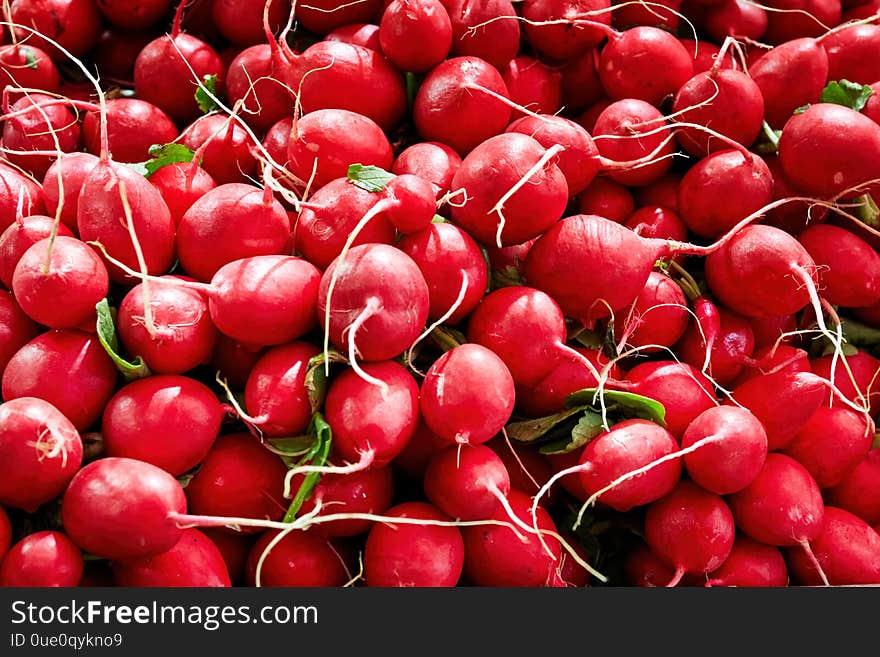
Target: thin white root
455, 306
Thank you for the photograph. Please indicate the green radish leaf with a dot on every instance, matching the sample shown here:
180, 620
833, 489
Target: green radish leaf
106, 326
587, 428
412, 88
447, 338
528, 431
30, 59
140, 167
369, 178
206, 103
509, 276
163, 155
438, 219
322, 435
316, 377
294, 446
868, 211
802, 109
846, 93
638, 405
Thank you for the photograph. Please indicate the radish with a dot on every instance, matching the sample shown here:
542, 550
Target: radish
528, 469
137, 17
591, 115
234, 549
133, 126
847, 550
323, 143
831, 443
234, 360
794, 216
509, 258
857, 382
322, 16
411, 554
42, 559
581, 86
275, 394
238, 22
66, 176
5, 533
872, 107
58, 283
644, 568
782, 506
225, 146
41, 124
851, 54
557, 30
487, 29
365, 35
23, 65
750, 564
75, 25
465, 483
735, 18
258, 78
849, 269
609, 199
657, 318
731, 349
19, 237
453, 268
857, 491
690, 529
169, 421
193, 561
16, 328
433, 161
42, 451
181, 185
774, 359
117, 51
705, 54
533, 85
19, 196
734, 457
144, 526
415, 35
230, 222
238, 478
413, 461
627, 446
46, 366
298, 559
450, 106
801, 18
773, 330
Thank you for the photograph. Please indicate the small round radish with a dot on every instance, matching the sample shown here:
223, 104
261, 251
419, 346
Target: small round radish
782, 506
413, 555
23, 65
658, 316
856, 382
37, 124
225, 147
16, 328
58, 283
415, 35
609, 199
169, 421
48, 366
734, 457
19, 237
234, 360
19, 196
465, 482
275, 393
413, 461
132, 127
565, 33
851, 54
42, 559
193, 561
68, 172
256, 79
234, 549
299, 559
365, 35
794, 216
74, 24
772, 330
734, 342
42, 451
750, 564
238, 22
488, 29
533, 85
774, 359
431, 160
859, 490
735, 18
849, 269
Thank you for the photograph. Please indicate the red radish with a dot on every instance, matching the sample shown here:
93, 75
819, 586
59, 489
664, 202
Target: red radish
528, 469
380, 305
238, 478
58, 283
5, 533
368, 491
509, 259
831, 443
681, 388
132, 127
705, 55
181, 185
230, 222
862, 388
19, 237
622, 67
120, 209
344, 76
750, 564
800, 18
16, 328
257, 78
851, 54
275, 394
432, 161
735, 455
628, 446
142, 527
193, 561
644, 568
325, 142
133, 17
42, 452
46, 366
234, 360
782, 506
225, 146
849, 269
857, 491
872, 107
449, 109
365, 35
169, 421
117, 51
656, 222
772, 330
66, 176
588, 119
413, 555
794, 216
773, 359
609, 199
415, 35
566, 34
371, 425
570, 572
736, 110
495, 556
275, 141
39, 123
74, 24
581, 86
413, 461
322, 16
465, 482
533, 85
733, 344
514, 190
690, 529
23, 65
234, 549
42, 559
847, 549
299, 559
445, 255
238, 22
487, 29
658, 316
735, 18
181, 335
17, 191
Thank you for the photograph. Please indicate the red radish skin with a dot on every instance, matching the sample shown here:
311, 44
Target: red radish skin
19, 237
733, 344
68, 171
487, 29
23, 65
409, 555
735, 18
133, 16
847, 549
658, 316
234, 549
299, 559
413, 461
774, 359
751, 564
46, 366
801, 18
194, 561
322, 16
782, 506
772, 330
16, 328
239, 478
509, 258
276, 393
5, 533
365, 35
433, 161
238, 22
864, 367
42, 559
705, 55
872, 107
533, 85
849, 269
256, 78
15, 186
851, 54
859, 490
465, 483
415, 35
117, 51
608, 199
234, 360
43, 452
644, 568
566, 35
690, 529
74, 24
36, 128
630, 445
794, 216
166, 420
528, 469
227, 148
731, 462
132, 127
64, 293
581, 86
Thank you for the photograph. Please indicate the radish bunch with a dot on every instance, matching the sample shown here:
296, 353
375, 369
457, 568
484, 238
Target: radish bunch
439, 293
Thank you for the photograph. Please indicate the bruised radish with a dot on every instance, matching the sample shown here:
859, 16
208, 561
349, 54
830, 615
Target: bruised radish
194, 561
465, 482
42, 559
750, 564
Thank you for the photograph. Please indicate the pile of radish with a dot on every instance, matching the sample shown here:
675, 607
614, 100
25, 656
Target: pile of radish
440, 293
